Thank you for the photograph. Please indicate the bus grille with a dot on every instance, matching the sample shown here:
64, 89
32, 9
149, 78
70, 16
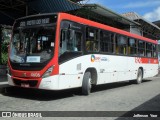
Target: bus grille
31, 83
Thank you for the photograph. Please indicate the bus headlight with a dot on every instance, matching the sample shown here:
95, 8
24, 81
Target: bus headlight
48, 72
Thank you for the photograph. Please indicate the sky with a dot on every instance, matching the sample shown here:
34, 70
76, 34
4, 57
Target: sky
148, 9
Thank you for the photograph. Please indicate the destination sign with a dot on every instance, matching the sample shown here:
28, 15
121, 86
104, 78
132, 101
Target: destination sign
36, 20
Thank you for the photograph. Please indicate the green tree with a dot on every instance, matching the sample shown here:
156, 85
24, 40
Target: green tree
6, 35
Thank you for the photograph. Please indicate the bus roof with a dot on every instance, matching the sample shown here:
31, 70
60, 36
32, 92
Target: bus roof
102, 26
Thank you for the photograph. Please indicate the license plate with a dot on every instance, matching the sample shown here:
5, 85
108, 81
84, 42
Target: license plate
24, 85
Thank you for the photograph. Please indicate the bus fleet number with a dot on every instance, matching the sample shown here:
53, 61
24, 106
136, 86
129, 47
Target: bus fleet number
35, 75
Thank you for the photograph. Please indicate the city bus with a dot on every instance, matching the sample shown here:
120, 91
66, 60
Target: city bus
62, 51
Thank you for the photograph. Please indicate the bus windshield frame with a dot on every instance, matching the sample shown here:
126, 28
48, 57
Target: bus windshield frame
33, 42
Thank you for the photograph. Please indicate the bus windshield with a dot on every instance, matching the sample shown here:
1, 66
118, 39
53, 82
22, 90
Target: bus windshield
32, 45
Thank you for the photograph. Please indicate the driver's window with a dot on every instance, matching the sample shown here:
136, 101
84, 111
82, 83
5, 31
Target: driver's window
70, 41
74, 41
63, 41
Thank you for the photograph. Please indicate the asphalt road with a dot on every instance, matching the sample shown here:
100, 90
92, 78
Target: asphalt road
122, 96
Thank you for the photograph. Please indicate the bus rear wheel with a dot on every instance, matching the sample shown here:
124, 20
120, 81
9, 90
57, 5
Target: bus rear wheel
139, 76
86, 84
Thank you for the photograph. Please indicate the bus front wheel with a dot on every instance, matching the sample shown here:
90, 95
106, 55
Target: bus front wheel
86, 84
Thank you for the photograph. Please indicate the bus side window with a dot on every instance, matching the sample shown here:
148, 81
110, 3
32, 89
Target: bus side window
148, 49
92, 43
155, 51
132, 47
121, 44
141, 48
106, 41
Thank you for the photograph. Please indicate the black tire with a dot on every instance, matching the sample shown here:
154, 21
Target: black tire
139, 76
86, 84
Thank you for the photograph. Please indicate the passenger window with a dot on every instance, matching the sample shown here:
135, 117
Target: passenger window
148, 49
106, 41
92, 44
121, 44
132, 47
155, 51
141, 48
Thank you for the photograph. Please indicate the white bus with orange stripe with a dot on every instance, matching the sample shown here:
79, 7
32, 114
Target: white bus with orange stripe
62, 51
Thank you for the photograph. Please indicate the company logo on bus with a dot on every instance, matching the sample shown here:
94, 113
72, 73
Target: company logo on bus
92, 58
95, 58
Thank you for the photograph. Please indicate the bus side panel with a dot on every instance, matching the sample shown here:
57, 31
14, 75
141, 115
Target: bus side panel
72, 71
117, 68
50, 83
150, 70
109, 68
